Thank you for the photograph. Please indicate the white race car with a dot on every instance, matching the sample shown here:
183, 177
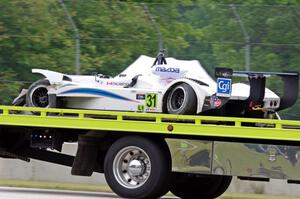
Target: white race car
167, 86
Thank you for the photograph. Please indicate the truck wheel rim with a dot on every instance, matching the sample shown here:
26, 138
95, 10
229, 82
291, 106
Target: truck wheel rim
40, 97
132, 167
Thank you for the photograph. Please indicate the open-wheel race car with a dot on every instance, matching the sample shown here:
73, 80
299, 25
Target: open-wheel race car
163, 85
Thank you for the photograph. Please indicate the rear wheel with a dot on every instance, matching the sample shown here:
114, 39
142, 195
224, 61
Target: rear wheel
206, 186
137, 167
226, 181
182, 100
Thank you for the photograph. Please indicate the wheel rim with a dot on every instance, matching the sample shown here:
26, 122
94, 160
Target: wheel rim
40, 97
177, 98
132, 167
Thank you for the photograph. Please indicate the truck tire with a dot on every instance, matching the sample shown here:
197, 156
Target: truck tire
226, 181
182, 100
137, 167
37, 95
208, 187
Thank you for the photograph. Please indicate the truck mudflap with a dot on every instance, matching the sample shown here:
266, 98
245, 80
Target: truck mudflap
257, 86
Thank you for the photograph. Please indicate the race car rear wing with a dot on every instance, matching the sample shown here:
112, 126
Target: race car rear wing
257, 86
258, 82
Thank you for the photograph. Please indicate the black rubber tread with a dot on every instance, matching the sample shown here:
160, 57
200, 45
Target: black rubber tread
43, 82
226, 181
193, 187
189, 107
158, 182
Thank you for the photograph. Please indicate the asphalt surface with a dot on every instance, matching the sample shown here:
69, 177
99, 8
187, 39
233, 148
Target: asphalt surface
25, 193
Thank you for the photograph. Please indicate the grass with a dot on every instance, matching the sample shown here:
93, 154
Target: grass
104, 188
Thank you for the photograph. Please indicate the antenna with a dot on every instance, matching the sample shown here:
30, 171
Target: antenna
246, 36
156, 26
77, 37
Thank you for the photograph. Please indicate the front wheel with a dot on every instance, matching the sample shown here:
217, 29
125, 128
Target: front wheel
37, 95
137, 167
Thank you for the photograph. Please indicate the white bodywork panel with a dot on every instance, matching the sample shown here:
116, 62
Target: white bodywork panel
96, 92
56, 78
108, 98
192, 69
241, 91
53, 77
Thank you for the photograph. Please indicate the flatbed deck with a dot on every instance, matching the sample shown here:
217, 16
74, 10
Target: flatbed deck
183, 125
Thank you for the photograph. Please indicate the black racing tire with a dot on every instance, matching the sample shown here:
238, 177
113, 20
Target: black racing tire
37, 95
137, 167
181, 100
226, 181
206, 186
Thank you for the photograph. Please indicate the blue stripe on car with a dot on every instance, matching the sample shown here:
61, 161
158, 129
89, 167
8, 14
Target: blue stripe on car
96, 92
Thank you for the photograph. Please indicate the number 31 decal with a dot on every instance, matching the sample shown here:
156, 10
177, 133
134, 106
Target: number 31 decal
151, 100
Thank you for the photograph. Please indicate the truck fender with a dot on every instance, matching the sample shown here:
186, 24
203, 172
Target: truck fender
53, 77
200, 91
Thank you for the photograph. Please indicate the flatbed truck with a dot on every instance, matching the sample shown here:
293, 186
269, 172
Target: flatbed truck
145, 155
